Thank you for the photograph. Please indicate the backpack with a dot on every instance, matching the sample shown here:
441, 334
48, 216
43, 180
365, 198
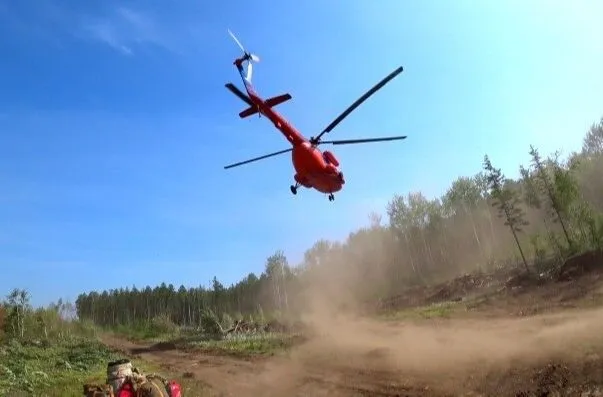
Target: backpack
151, 385
91, 390
154, 385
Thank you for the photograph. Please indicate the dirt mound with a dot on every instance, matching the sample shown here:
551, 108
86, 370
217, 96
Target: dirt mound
585, 268
524, 280
552, 378
454, 290
462, 286
579, 265
557, 378
411, 297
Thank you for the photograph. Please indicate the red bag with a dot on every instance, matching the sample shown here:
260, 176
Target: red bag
126, 390
174, 388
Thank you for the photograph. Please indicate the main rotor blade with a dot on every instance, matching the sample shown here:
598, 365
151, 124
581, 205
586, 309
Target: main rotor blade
360, 100
366, 140
239, 93
257, 158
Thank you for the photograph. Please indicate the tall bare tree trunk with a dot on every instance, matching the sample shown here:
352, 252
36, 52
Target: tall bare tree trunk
427, 248
475, 235
412, 262
284, 288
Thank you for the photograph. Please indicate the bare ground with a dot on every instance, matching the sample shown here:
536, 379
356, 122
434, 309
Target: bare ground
519, 339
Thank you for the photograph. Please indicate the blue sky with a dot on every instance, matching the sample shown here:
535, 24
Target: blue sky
115, 123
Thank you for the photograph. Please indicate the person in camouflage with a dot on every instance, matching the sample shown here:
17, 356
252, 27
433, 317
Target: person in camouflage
134, 384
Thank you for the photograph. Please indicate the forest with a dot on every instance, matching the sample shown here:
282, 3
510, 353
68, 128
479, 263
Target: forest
553, 210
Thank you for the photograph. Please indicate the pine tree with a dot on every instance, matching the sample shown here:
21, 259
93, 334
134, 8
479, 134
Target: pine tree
549, 190
507, 201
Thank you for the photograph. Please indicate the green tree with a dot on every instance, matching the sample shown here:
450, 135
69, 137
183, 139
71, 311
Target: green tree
593, 141
548, 188
507, 202
465, 194
400, 220
17, 304
276, 267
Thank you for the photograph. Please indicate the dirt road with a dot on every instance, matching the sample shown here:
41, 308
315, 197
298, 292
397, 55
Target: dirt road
524, 340
354, 357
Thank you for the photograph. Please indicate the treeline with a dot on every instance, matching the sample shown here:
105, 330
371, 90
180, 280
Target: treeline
20, 320
554, 209
184, 306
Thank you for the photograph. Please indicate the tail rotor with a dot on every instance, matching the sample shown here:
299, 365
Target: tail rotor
248, 55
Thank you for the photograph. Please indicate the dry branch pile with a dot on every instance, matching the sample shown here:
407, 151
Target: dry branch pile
245, 327
462, 286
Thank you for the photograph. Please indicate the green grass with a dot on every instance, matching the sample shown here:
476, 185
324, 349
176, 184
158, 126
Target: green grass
143, 333
57, 369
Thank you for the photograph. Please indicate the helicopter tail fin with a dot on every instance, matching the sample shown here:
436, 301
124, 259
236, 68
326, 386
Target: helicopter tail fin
277, 100
252, 109
270, 102
248, 112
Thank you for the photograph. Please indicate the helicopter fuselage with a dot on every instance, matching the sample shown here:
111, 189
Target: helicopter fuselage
314, 169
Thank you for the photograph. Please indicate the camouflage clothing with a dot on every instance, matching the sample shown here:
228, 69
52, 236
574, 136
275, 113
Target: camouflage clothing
98, 390
151, 385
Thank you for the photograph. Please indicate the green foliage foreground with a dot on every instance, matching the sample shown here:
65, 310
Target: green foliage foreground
52, 368
44, 353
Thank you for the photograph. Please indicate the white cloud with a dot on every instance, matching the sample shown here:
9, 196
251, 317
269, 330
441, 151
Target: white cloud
106, 33
125, 29
128, 30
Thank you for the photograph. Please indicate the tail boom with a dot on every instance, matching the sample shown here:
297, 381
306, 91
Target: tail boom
265, 107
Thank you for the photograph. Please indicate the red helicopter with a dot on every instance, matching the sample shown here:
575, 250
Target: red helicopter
314, 169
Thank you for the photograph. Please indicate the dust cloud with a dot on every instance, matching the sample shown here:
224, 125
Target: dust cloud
352, 349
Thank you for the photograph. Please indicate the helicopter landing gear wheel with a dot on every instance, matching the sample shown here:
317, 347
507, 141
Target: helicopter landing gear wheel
331, 197
294, 189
